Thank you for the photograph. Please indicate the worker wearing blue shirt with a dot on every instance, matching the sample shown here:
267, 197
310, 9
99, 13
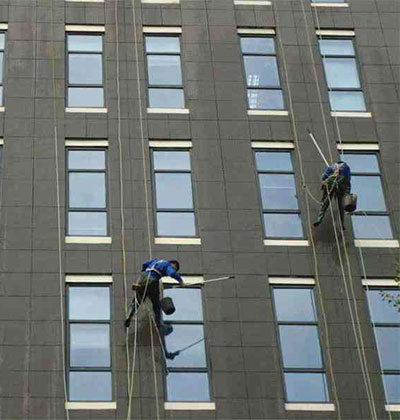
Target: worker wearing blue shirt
336, 182
152, 271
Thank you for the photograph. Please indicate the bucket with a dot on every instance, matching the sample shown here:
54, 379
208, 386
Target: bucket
350, 202
167, 305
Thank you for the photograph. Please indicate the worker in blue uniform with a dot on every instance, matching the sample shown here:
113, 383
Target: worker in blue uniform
152, 271
336, 183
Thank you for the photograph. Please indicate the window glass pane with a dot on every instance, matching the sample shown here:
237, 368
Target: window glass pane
164, 69
372, 227
257, 45
87, 190
261, 71
361, 163
381, 311
2, 39
85, 69
1, 96
347, 101
175, 224
87, 223
91, 43
265, 99
187, 386
1, 162
188, 304
162, 44
85, 97
174, 191
281, 225
300, 346
336, 46
171, 160
86, 159
341, 73
306, 387
295, 305
90, 386
278, 192
166, 98
182, 337
388, 342
274, 161
89, 303
370, 193
1, 66
392, 388
89, 345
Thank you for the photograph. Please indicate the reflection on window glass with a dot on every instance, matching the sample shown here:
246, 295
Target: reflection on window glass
89, 303
174, 190
2, 64
306, 387
261, 70
90, 386
171, 160
187, 303
295, 305
175, 224
187, 386
392, 388
166, 98
281, 225
84, 223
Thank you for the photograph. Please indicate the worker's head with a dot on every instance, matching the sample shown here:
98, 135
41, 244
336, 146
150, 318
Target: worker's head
175, 264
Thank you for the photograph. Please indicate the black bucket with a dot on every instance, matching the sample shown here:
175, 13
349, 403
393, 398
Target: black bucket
167, 305
350, 202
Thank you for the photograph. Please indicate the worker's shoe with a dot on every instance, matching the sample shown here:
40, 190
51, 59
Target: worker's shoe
171, 356
127, 322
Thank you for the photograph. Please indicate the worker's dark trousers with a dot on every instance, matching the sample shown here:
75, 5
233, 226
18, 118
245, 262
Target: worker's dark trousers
153, 293
334, 192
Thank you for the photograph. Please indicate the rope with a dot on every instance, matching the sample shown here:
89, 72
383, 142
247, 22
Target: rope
61, 280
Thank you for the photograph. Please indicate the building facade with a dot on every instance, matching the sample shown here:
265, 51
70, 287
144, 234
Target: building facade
179, 129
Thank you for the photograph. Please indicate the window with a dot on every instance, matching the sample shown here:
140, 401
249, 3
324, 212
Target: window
89, 343
328, 1
281, 212
87, 201
339, 59
1, 161
187, 379
261, 69
2, 66
371, 220
85, 70
164, 71
386, 321
173, 193
303, 367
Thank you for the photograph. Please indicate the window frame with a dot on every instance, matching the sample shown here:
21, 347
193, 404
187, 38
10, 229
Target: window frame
103, 69
69, 209
357, 66
261, 88
175, 171
207, 369
315, 323
146, 64
276, 172
67, 333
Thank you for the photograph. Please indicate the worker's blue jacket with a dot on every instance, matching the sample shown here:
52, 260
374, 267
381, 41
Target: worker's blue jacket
344, 172
160, 268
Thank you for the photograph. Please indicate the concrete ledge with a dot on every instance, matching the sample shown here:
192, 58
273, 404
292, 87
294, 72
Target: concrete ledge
84, 1
286, 242
87, 110
310, 407
2, 108
379, 282
291, 280
87, 143
256, 31
1, 142
189, 406
335, 32
162, 29
168, 111
177, 241
3, 26
358, 146
272, 145
90, 278
160, 144
278, 113
90, 405
252, 3
329, 5
160, 1
392, 407
376, 243
350, 114
84, 28
88, 240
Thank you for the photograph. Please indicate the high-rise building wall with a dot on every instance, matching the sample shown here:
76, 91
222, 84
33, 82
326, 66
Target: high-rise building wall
178, 129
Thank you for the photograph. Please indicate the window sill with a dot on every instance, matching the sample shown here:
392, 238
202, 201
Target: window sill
87, 110
160, 1
376, 243
309, 407
286, 242
2, 108
88, 240
177, 241
90, 405
189, 406
349, 114
280, 113
329, 5
252, 3
392, 407
168, 111
84, 1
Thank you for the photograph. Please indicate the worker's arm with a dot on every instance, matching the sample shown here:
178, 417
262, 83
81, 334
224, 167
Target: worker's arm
147, 264
171, 272
328, 172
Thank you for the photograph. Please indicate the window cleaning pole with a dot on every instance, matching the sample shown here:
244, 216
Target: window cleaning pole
203, 282
317, 146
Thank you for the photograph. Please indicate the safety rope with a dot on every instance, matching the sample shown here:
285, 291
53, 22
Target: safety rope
57, 179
